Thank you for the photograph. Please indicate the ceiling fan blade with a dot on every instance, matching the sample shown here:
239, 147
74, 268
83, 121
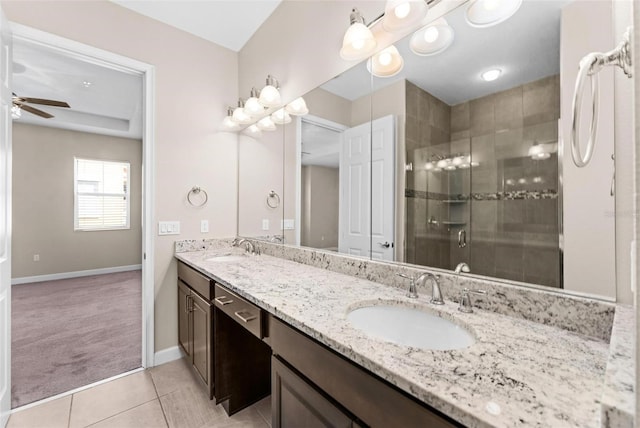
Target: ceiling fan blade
44, 102
36, 111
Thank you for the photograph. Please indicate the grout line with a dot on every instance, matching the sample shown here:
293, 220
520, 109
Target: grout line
70, 409
119, 413
164, 414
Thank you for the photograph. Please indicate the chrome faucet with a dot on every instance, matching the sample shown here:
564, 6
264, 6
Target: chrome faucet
462, 268
248, 245
466, 305
436, 294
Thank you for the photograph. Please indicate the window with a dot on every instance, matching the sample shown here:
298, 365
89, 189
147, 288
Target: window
101, 195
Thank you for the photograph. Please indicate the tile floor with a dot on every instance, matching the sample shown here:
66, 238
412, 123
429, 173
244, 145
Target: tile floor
167, 396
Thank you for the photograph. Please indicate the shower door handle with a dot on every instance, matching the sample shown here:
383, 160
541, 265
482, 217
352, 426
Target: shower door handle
462, 238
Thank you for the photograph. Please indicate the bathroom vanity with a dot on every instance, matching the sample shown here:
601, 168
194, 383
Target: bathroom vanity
322, 366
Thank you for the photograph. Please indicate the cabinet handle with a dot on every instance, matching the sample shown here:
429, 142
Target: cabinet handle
225, 302
186, 304
462, 238
244, 318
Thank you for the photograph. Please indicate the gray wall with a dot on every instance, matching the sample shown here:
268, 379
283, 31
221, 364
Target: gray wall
43, 171
320, 198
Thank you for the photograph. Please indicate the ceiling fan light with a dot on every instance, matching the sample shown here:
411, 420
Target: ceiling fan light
358, 42
266, 124
253, 131
297, 107
281, 117
486, 13
403, 14
432, 39
386, 63
16, 112
269, 95
252, 106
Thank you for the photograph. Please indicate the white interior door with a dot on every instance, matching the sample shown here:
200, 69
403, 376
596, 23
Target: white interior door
5, 220
382, 188
367, 184
353, 237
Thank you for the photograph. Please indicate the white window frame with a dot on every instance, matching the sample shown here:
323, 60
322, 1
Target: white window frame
127, 195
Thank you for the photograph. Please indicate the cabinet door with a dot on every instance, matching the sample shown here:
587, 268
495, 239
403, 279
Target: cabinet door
295, 403
201, 313
184, 315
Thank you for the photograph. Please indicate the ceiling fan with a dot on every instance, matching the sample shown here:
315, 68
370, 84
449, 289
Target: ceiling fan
21, 103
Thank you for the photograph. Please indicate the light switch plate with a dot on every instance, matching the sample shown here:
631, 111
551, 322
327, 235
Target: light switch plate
204, 226
287, 224
265, 224
169, 228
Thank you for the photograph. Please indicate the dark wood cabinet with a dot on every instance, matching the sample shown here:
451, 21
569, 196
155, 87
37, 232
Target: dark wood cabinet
297, 403
195, 323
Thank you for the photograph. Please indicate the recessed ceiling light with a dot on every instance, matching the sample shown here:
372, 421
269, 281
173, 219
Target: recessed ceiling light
491, 75
86, 83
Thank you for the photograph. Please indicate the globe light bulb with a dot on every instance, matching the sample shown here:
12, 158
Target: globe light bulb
402, 10
431, 34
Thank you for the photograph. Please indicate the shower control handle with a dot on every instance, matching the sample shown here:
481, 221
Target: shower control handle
462, 238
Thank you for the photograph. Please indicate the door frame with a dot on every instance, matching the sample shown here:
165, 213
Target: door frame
97, 56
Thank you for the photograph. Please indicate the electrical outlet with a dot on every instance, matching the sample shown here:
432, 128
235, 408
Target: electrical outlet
204, 226
36, 257
265, 224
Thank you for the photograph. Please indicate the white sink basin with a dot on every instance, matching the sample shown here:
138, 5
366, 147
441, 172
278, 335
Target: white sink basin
226, 258
410, 327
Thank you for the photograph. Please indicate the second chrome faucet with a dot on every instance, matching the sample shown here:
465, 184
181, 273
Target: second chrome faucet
436, 293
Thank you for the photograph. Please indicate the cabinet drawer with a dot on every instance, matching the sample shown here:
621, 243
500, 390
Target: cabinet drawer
194, 279
244, 313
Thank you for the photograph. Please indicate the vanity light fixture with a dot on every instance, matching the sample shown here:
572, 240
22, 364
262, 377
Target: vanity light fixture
281, 117
432, 39
386, 63
16, 112
541, 151
491, 75
252, 106
239, 116
266, 124
358, 42
269, 95
297, 107
428, 166
253, 131
228, 124
402, 14
486, 13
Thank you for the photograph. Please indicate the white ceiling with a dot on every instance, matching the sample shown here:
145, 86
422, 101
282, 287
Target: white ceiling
529, 52
111, 104
229, 23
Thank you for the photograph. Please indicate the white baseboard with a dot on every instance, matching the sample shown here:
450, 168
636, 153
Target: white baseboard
167, 355
76, 274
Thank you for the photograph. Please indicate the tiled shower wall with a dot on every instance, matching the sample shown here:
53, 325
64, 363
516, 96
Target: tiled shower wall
510, 213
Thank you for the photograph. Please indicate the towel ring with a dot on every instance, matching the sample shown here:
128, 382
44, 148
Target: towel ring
273, 199
196, 190
590, 66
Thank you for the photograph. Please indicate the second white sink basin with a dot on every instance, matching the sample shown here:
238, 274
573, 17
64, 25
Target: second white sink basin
410, 327
226, 258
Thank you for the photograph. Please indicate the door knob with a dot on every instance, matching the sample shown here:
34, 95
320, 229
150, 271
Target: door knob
385, 244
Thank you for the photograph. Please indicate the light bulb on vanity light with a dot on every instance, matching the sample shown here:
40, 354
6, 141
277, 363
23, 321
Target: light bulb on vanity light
386, 63
239, 116
486, 13
269, 95
403, 14
358, 41
432, 39
252, 106
297, 107
228, 124
266, 124
281, 117
253, 131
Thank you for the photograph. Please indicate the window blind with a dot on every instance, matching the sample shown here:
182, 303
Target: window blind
101, 195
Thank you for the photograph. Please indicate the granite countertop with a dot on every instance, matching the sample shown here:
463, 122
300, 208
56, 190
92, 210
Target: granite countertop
518, 373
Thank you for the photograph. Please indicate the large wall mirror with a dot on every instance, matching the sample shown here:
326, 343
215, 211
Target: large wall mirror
444, 163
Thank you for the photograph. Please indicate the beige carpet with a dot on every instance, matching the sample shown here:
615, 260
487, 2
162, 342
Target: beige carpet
73, 332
